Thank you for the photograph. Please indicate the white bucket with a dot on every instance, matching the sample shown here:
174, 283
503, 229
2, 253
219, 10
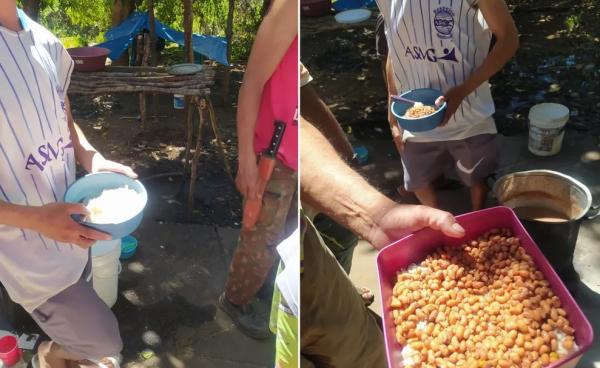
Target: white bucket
178, 102
546, 128
105, 270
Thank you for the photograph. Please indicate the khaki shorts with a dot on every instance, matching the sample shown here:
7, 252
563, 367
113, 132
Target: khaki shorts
337, 330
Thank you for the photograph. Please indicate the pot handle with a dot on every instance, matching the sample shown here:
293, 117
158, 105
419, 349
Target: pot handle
593, 213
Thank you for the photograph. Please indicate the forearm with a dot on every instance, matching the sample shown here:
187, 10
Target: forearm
392, 90
247, 114
335, 189
85, 153
391, 80
504, 49
316, 112
16, 215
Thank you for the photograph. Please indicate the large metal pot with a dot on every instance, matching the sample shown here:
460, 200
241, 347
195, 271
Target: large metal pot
551, 206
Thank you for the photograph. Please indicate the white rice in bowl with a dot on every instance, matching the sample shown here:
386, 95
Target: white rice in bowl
114, 206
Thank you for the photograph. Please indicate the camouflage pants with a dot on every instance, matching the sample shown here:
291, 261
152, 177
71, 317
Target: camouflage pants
256, 250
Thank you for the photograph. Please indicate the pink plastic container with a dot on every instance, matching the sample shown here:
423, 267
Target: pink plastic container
414, 248
9, 350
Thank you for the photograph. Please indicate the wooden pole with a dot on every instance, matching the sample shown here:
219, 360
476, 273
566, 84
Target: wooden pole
189, 134
229, 37
153, 52
229, 29
195, 158
188, 22
153, 61
220, 145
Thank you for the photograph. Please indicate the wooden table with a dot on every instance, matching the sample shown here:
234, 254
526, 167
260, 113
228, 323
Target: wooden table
151, 80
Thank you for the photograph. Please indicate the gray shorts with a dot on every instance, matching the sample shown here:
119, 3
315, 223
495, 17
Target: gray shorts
80, 322
474, 159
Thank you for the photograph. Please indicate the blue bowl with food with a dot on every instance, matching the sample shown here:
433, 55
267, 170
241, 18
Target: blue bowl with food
116, 202
415, 118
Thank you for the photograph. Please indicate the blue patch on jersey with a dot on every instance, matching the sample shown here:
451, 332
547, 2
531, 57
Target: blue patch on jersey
444, 21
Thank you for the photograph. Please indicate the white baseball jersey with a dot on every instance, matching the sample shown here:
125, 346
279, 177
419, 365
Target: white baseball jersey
437, 44
37, 160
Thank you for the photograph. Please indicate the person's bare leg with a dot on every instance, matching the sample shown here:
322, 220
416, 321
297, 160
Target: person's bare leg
427, 196
49, 356
478, 196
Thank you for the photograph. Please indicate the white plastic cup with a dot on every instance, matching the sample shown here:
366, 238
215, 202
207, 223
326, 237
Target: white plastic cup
546, 128
105, 270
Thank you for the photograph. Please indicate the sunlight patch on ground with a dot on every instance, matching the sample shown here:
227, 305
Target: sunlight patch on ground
136, 267
590, 156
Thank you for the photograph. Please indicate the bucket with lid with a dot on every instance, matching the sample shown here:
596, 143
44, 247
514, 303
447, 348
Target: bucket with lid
551, 206
547, 123
105, 270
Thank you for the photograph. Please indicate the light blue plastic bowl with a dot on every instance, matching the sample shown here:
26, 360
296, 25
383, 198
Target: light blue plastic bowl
92, 185
427, 96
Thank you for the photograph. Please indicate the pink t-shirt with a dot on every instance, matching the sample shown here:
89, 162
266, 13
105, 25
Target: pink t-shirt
280, 102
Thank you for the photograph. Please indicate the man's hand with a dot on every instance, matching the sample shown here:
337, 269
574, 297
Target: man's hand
54, 221
99, 164
397, 221
247, 176
453, 97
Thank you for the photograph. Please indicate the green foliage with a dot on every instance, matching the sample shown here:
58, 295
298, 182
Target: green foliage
81, 22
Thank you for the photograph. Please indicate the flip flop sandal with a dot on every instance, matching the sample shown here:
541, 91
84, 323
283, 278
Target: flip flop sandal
366, 294
34, 362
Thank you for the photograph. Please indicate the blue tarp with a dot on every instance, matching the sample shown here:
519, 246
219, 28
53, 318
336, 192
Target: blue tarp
119, 38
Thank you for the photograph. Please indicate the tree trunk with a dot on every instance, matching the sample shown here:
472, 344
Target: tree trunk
121, 9
153, 58
32, 8
229, 29
188, 21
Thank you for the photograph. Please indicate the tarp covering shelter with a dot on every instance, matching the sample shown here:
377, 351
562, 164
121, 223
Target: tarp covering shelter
120, 37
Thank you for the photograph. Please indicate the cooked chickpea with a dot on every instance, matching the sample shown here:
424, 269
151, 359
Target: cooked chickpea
484, 304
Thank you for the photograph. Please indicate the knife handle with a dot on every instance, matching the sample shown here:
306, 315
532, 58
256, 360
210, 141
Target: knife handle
253, 207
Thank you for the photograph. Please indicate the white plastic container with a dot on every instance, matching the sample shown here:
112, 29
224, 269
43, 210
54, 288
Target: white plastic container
178, 102
105, 270
546, 128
